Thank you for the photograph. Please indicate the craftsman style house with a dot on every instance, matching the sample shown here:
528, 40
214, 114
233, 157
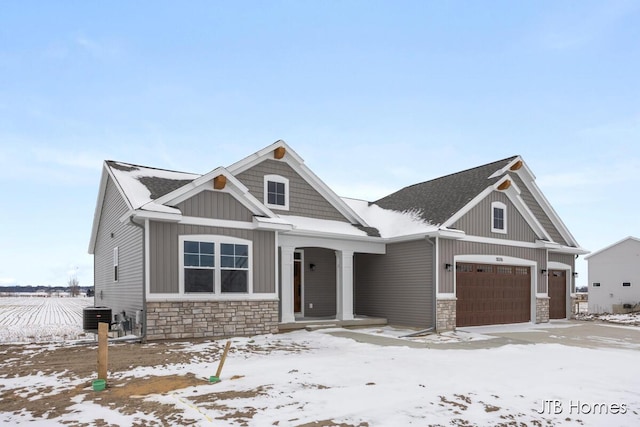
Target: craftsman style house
265, 245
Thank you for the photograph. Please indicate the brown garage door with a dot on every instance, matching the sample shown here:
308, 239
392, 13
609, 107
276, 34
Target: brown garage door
492, 294
557, 294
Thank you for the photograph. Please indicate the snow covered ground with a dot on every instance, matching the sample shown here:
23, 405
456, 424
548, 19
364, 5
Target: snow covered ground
315, 379
41, 319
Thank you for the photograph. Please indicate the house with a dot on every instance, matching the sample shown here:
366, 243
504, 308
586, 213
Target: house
265, 245
614, 277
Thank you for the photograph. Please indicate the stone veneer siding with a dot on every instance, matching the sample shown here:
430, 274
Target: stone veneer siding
445, 315
210, 319
542, 309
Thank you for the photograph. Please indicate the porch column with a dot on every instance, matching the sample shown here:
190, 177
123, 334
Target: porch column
344, 285
286, 291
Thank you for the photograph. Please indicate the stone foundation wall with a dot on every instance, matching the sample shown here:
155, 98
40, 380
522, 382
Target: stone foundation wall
542, 310
445, 315
210, 319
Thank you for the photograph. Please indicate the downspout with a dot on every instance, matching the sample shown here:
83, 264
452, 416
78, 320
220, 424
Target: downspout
143, 338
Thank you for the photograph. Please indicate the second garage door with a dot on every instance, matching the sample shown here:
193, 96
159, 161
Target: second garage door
492, 294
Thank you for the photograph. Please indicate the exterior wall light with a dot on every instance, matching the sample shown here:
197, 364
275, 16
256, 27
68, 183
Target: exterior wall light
448, 267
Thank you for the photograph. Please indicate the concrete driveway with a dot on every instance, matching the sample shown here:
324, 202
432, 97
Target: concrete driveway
587, 334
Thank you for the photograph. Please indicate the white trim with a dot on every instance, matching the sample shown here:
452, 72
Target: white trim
335, 244
301, 261
210, 222
503, 260
297, 164
278, 179
498, 205
446, 297
147, 260
217, 240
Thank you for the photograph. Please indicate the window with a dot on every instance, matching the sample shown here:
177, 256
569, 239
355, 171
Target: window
498, 217
596, 284
214, 265
234, 265
115, 264
626, 283
276, 192
199, 266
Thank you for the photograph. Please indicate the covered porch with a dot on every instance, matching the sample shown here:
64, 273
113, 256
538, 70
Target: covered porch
317, 281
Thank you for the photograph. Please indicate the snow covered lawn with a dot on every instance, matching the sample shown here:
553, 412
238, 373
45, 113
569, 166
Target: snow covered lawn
316, 379
40, 319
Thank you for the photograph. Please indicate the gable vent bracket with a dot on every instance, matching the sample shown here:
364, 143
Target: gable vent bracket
219, 182
517, 165
506, 184
279, 153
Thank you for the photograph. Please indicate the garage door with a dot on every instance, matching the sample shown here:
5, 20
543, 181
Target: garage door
557, 294
492, 294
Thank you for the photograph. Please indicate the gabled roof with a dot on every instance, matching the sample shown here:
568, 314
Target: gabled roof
438, 200
606, 248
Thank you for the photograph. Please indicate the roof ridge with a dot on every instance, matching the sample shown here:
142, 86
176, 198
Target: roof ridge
458, 173
111, 162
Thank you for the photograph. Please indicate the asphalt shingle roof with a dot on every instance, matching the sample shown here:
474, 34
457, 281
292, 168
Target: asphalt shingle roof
438, 199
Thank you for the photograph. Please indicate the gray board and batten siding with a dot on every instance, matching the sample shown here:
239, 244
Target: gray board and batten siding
319, 285
477, 222
304, 200
398, 285
214, 204
449, 248
125, 294
164, 254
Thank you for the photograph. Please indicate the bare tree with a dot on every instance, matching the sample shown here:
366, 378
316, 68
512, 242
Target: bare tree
74, 286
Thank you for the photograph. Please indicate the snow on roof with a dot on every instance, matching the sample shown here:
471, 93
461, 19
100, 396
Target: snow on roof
390, 223
142, 185
302, 223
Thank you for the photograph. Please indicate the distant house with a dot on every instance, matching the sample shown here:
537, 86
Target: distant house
614, 277
265, 245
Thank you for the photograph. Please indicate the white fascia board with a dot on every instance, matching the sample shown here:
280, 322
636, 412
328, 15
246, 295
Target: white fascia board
569, 250
513, 193
157, 216
445, 234
234, 187
370, 245
501, 242
297, 164
271, 224
97, 214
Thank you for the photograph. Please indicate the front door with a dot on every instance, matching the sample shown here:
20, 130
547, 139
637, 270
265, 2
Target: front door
297, 282
557, 294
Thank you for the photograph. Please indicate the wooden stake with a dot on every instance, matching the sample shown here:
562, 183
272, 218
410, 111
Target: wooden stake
224, 356
103, 350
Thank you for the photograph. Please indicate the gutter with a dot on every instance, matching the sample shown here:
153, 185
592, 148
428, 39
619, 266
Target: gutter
143, 338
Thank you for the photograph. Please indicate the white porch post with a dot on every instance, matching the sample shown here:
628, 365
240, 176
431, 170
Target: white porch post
344, 285
286, 293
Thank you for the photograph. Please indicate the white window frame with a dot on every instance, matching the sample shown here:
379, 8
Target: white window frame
116, 262
217, 288
278, 179
494, 206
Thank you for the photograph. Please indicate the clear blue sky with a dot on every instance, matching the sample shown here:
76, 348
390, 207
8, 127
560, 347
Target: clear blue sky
373, 95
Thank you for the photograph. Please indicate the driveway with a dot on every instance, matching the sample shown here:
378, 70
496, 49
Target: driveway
587, 334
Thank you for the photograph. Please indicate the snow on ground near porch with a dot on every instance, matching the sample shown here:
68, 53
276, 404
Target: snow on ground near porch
29, 319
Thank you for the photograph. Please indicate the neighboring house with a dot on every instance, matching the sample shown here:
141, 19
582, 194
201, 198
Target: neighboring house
614, 277
264, 245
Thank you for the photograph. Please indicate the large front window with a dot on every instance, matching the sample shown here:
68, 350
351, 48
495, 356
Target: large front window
215, 264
